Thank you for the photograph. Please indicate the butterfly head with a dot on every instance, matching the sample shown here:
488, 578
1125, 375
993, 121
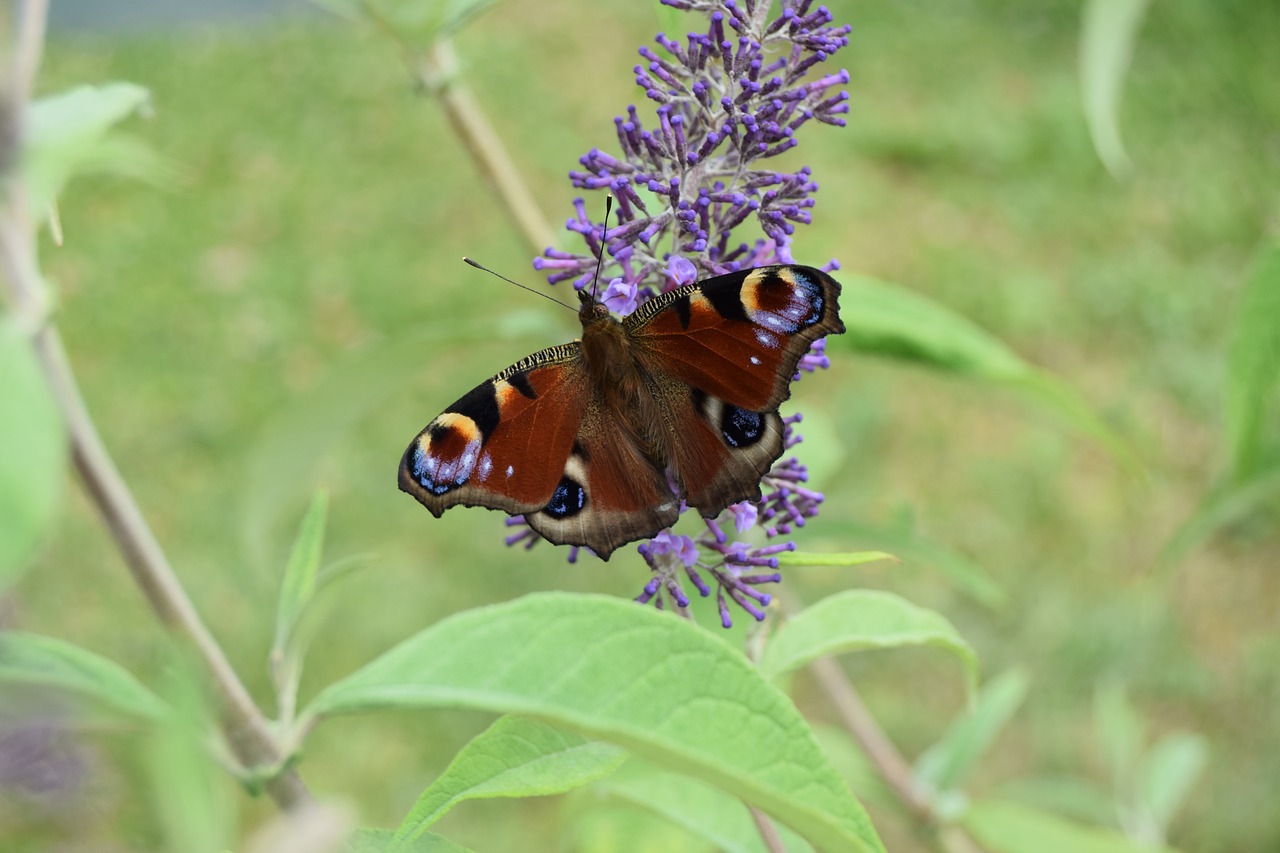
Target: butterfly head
591, 312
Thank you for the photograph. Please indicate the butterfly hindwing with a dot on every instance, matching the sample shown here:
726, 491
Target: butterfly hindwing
723, 452
504, 444
724, 351
610, 494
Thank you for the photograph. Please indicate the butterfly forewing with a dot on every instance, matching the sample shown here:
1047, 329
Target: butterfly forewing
505, 443
739, 337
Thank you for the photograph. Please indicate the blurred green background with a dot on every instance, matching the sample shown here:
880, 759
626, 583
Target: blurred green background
288, 309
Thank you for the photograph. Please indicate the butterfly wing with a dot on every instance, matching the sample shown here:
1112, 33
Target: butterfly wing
723, 353
537, 439
610, 493
504, 444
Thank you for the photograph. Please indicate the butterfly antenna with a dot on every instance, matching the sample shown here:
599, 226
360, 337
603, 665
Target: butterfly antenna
481, 266
604, 229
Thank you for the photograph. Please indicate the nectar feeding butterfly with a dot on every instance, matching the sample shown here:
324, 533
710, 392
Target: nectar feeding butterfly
588, 439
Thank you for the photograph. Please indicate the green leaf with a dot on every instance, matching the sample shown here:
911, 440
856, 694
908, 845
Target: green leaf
1002, 827
944, 766
380, 841
1169, 772
33, 468
1073, 797
70, 133
860, 619
514, 757
1120, 734
299, 583
193, 798
1253, 365
1108, 32
896, 323
852, 762
653, 684
967, 576
1228, 504
797, 559
32, 661
698, 808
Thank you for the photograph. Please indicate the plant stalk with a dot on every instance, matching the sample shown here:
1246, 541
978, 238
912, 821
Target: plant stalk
247, 730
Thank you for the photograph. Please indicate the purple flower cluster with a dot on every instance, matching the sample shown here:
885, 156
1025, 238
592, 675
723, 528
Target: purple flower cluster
728, 99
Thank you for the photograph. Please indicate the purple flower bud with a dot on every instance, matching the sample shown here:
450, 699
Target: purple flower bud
620, 296
681, 271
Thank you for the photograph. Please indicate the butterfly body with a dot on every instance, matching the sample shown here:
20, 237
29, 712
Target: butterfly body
597, 441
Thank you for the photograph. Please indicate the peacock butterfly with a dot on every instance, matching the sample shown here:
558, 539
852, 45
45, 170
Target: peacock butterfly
597, 441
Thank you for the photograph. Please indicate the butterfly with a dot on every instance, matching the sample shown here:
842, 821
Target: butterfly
597, 441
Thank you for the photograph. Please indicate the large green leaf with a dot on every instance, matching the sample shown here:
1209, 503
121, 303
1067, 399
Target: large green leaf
647, 681
859, 619
1108, 31
514, 757
1253, 367
33, 467
380, 841
33, 662
893, 322
1003, 827
698, 808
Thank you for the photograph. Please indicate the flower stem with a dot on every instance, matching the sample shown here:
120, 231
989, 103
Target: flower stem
246, 728
888, 762
438, 72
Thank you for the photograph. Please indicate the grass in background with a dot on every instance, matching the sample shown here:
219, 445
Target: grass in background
303, 276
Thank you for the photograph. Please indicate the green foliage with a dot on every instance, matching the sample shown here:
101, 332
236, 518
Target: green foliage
1252, 444
512, 758
893, 322
1108, 32
701, 810
1253, 366
855, 620
381, 841
1003, 827
72, 133
799, 559
193, 803
418, 22
1149, 786
30, 662
946, 764
733, 730
31, 474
